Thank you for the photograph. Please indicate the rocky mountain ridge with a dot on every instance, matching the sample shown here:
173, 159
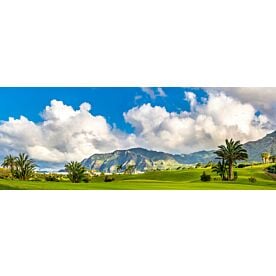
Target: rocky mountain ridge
144, 159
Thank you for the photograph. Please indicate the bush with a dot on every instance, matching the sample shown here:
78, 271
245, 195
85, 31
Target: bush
51, 177
252, 179
198, 165
235, 175
272, 169
205, 177
108, 179
87, 178
5, 174
240, 166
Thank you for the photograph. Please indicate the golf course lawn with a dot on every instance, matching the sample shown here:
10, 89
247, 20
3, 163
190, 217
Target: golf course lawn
188, 179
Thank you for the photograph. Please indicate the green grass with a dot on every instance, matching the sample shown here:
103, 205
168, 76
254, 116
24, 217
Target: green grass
187, 179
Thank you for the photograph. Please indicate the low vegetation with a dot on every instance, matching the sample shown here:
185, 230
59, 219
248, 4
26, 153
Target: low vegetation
205, 177
108, 178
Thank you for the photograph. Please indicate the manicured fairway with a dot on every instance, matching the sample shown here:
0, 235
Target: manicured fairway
187, 179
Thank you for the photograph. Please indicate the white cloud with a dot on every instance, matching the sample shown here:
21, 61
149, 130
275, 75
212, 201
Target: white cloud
262, 98
137, 97
191, 98
150, 92
154, 94
65, 134
206, 126
161, 92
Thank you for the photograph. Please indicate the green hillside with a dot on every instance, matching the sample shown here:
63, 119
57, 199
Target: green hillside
266, 144
144, 159
187, 179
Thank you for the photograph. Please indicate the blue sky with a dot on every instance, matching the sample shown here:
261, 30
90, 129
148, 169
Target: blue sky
109, 102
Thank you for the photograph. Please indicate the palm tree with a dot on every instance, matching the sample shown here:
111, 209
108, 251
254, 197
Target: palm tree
9, 162
221, 169
265, 157
24, 167
231, 152
75, 171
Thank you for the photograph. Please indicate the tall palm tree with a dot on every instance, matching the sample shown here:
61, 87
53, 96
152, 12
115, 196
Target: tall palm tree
75, 171
24, 167
231, 152
9, 162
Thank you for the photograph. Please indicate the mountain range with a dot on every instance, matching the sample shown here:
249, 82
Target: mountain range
144, 159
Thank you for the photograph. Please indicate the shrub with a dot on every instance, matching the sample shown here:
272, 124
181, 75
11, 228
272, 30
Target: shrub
272, 169
240, 166
252, 179
108, 179
40, 176
87, 178
51, 177
235, 175
198, 165
205, 177
5, 173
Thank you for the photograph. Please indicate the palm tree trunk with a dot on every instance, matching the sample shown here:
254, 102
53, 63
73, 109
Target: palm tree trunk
230, 174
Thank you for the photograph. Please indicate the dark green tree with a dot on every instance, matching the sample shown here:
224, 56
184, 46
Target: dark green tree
231, 152
24, 167
76, 171
9, 163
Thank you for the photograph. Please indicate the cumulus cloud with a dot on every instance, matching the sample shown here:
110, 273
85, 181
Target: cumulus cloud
206, 126
262, 98
64, 134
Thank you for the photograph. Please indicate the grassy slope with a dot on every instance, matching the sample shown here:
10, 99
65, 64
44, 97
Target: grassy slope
166, 180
